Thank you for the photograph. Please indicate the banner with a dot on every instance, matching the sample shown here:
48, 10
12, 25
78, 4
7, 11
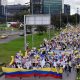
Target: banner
44, 72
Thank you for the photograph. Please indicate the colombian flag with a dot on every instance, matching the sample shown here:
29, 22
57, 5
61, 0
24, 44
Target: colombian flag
42, 72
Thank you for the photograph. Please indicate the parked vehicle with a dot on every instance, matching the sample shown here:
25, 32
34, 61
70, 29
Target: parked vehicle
3, 36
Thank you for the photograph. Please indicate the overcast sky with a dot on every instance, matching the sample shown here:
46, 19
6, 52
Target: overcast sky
74, 4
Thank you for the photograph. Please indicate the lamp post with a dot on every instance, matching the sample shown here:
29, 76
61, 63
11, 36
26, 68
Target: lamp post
6, 15
60, 18
67, 18
49, 25
77, 18
32, 26
5, 11
25, 35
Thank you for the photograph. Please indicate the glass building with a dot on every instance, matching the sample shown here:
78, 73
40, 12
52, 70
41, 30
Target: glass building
36, 6
66, 9
52, 6
46, 6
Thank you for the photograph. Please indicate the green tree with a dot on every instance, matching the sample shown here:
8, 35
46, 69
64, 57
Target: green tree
20, 16
41, 29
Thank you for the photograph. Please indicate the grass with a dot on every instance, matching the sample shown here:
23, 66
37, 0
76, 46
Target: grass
2, 25
78, 76
10, 48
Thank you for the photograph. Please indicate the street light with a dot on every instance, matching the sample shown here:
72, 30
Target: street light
67, 18
49, 25
5, 11
77, 17
60, 18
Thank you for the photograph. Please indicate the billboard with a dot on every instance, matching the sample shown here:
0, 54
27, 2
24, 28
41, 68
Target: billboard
37, 19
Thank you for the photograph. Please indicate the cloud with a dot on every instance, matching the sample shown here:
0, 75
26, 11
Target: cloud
74, 5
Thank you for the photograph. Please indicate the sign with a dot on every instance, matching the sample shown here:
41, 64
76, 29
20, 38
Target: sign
37, 19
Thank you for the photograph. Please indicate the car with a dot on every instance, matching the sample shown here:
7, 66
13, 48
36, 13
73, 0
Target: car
3, 36
21, 34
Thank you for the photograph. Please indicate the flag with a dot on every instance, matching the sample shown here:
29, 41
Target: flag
41, 72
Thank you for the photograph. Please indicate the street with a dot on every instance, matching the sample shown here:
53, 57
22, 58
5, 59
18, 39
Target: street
33, 78
12, 35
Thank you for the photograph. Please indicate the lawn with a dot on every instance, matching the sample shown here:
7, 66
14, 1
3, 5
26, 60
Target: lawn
10, 48
78, 76
2, 25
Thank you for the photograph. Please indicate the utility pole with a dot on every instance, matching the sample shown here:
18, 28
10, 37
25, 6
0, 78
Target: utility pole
25, 34
49, 25
60, 19
32, 26
6, 14
25, 45
67, 18
5, 11
32, 7
77, 18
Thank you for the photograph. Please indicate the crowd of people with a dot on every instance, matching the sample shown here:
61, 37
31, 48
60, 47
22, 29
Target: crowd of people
61, 51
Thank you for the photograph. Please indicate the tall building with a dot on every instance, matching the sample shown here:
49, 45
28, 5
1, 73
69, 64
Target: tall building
66, 9
36, 6
13, 9
46, 6
1, 8
0, 2
52, 6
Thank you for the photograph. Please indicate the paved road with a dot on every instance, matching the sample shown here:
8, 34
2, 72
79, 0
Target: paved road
9, 38
11, 35
72, 76
33, 78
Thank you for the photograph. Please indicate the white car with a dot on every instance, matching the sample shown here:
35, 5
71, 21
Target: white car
3, 36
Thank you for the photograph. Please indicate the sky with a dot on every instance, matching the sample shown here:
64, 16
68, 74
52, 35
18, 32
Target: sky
73, 3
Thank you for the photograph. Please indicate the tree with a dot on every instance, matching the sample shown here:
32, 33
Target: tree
20, 16
41, 29
72, 19
55, 20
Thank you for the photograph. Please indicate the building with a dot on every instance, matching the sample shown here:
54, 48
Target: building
52, 6
1, 10
46, 6
13, 9
36, 6
66, 9
0, 2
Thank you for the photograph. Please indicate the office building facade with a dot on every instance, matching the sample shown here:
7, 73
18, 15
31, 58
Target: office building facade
46, 6
1, 10
0, 2
36, 6
13, 9
52, 6
66, 9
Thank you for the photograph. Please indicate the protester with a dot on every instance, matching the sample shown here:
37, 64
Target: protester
61, 51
